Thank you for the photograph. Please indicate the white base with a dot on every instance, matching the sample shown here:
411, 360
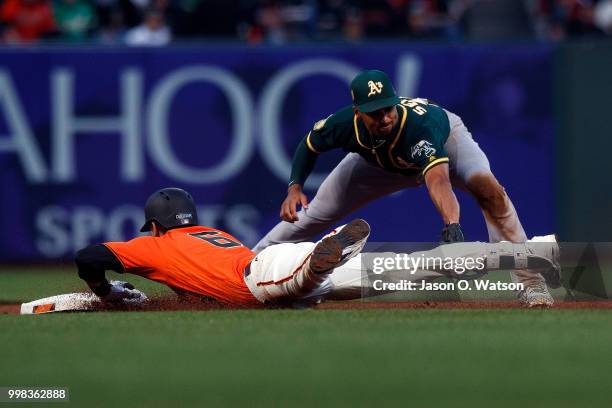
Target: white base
62, 303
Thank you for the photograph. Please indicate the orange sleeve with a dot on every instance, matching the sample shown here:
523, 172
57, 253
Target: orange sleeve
139, 256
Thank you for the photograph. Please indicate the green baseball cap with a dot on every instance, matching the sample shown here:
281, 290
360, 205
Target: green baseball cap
372, 90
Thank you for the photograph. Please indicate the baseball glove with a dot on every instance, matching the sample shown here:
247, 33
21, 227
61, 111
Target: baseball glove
452, 233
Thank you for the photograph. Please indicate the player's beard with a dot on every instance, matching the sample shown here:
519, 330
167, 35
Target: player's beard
384, 131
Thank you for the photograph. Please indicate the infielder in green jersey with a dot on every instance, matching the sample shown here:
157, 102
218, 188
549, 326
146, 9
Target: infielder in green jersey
395, 143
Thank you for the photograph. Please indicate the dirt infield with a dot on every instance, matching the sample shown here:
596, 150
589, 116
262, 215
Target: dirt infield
10, 309
170, 304
509, 304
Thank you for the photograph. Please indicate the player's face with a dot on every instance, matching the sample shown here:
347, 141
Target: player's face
380, 122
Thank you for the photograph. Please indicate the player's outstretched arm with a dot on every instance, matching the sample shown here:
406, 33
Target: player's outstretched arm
295, 197
92, 262
441, 192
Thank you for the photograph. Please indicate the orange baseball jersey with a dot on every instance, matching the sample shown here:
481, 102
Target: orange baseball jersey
199, 260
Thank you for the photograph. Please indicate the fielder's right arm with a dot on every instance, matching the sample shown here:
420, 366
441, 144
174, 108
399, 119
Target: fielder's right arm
441, 192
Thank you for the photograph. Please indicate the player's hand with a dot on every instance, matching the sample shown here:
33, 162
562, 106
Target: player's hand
452, 233
295, 196
124, 292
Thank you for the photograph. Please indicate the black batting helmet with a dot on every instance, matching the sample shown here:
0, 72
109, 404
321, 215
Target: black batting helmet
171, 208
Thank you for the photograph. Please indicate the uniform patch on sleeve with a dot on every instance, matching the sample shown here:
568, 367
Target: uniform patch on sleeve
422, 149
319, 125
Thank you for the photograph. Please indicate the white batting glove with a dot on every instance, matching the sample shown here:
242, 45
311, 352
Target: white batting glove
124, 292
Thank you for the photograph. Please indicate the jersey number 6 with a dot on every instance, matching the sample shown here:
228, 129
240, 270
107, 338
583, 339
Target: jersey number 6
213, 237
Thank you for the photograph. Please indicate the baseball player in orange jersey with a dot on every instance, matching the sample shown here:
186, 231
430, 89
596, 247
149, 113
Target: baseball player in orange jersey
208, 262
211, 263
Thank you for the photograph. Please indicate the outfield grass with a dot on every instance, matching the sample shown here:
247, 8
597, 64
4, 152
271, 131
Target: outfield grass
279, 358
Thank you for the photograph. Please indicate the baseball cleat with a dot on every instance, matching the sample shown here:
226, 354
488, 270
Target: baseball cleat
547, 249
536, 295
337, 248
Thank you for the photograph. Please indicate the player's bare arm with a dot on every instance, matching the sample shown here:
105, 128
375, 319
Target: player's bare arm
295, 197
441, 192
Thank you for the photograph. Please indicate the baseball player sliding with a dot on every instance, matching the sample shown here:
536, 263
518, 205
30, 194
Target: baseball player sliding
211, 263
396, 143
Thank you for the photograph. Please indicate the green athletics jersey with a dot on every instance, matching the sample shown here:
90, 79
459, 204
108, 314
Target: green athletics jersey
415, 145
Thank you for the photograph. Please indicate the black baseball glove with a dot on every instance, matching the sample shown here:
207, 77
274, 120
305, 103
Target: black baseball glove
452, 233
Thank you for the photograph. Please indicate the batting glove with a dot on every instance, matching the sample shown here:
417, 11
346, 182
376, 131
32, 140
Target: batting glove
452, 233
124, 292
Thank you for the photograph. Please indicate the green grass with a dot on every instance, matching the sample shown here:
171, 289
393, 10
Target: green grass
19, 285
511, 358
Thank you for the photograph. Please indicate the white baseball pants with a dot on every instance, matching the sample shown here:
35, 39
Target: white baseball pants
279, 274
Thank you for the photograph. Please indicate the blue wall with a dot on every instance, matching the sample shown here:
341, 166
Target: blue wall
87, 135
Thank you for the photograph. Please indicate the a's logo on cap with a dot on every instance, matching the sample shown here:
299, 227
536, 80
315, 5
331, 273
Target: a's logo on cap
375, 87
